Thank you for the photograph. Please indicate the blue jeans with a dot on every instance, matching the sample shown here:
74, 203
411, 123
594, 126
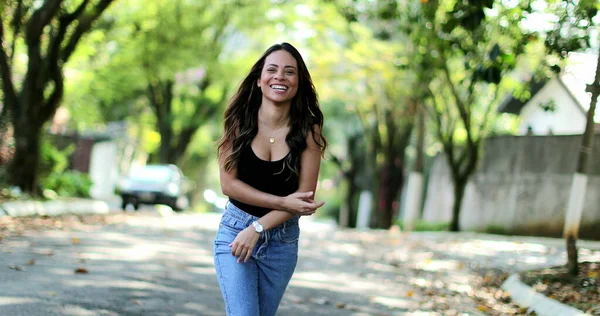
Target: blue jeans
256, 287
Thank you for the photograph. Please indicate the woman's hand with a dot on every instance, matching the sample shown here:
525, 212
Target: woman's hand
243, 244
301, 203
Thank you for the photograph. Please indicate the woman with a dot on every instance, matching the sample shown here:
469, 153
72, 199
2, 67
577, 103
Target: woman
269, 159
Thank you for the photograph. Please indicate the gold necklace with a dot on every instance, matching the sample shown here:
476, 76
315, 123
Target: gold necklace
272, 138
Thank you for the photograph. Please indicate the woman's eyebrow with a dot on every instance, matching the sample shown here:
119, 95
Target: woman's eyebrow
287, 66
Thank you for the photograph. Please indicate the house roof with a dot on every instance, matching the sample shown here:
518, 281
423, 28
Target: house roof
513, 105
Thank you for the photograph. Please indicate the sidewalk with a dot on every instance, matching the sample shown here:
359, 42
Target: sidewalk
60, 206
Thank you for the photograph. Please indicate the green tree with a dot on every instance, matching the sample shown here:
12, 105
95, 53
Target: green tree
376, 89
168, 52
472, 46
48, 33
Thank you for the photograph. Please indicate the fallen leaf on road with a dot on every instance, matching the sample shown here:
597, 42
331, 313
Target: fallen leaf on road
17, 268
340, 305
482, 308
31, 262
410, 293
51, 293
81, 270
320, 301
75, 240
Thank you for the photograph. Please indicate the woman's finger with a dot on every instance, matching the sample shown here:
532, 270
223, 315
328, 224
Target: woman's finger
248, 255
239, 251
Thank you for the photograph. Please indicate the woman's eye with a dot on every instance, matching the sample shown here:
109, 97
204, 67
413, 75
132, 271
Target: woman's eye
290, 72
271, 69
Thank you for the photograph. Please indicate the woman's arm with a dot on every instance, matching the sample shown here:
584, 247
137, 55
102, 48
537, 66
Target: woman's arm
310, 161
298, 203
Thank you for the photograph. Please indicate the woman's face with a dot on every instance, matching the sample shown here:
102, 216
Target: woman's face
279, 77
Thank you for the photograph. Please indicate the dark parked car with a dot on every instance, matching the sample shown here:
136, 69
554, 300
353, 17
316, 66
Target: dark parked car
155, 184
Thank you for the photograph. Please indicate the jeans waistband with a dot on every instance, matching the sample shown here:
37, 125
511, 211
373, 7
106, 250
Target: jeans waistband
238, 214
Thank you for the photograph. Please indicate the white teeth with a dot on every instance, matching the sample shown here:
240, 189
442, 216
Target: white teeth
279, 87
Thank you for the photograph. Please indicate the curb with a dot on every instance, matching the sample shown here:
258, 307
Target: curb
53, 208
527, 297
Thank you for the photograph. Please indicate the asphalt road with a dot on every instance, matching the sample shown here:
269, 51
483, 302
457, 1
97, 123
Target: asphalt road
160, 263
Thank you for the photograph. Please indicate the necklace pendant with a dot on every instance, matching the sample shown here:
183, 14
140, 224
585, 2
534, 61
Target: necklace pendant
272, 140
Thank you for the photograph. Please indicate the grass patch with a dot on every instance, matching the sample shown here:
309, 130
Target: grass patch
422, 226
495, 229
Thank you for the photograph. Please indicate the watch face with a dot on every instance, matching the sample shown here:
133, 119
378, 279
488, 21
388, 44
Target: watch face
257, 227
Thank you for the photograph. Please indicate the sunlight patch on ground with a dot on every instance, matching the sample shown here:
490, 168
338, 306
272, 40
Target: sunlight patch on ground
347, 248
381, 267
334, 282
393, 302
534, 260
123, 284
7, 300
439, 265
73, 310
479, 245
460, 288
202, 270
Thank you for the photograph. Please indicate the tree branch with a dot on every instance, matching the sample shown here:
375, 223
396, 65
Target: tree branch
486, 119
40, 18
462, 108
51, 104
68, 18
8, 87
83, 25
16, 25
435, 115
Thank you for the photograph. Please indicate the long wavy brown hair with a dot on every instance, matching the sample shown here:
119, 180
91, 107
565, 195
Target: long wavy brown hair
241, 116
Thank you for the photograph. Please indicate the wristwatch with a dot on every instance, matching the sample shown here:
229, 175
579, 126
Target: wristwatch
258, 227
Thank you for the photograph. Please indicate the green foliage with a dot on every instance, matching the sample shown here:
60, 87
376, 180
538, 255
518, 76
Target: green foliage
572, 30
52, 159
422, 225
55, 177
69, 183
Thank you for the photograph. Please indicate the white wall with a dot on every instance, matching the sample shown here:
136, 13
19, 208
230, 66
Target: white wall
521, 186
567, 119
103, 170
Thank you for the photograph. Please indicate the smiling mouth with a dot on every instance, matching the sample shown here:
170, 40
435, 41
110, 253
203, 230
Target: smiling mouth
279, 87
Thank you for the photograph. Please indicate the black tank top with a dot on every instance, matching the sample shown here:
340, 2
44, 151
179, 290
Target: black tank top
266, 176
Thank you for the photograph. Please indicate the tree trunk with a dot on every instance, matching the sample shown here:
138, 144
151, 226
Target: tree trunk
349, 206
166, 137
24, 166
160, 95
392, 178
579, 186
459, 192
414, 193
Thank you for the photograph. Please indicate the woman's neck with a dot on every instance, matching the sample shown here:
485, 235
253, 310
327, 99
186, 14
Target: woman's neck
274, 116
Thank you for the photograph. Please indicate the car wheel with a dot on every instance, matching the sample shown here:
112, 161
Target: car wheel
174, 205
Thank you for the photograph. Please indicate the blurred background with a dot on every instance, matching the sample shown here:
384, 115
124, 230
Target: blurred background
440, 114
